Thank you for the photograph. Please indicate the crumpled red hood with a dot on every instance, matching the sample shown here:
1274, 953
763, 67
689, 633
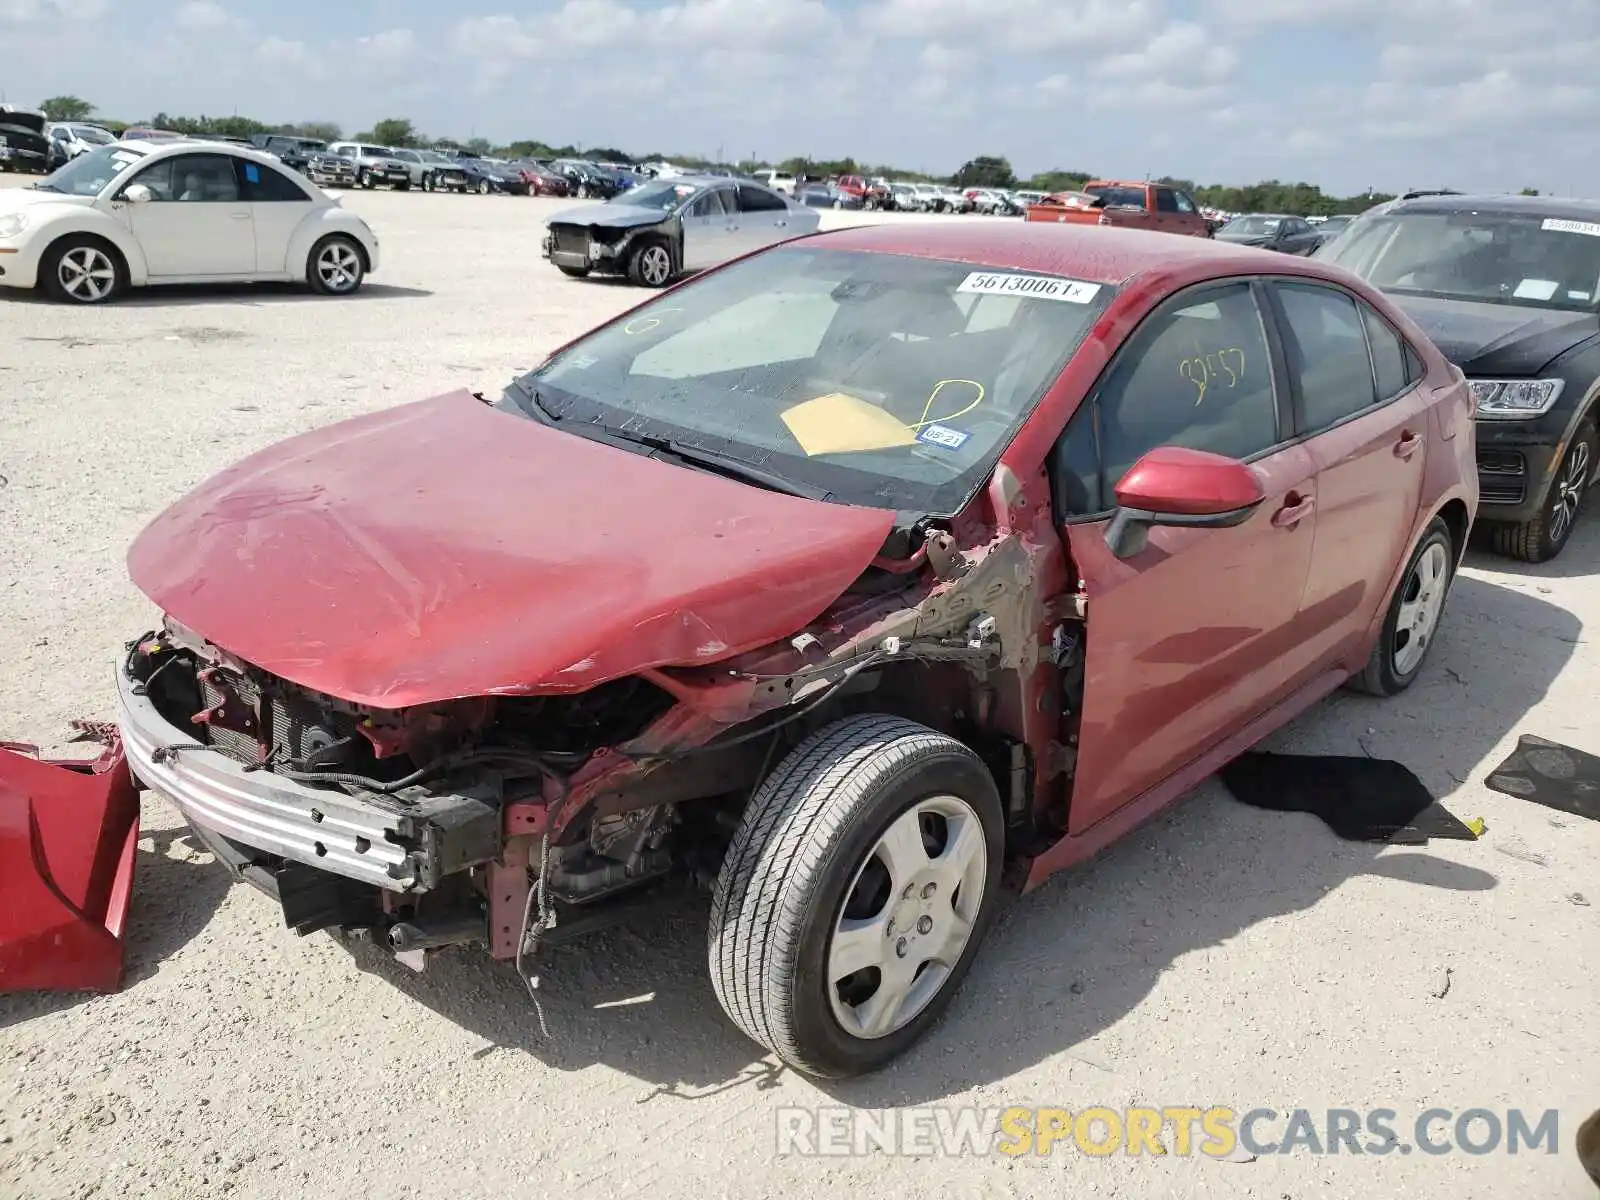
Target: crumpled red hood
445, 549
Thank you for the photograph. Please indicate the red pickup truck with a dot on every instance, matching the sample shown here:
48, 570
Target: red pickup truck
1130, 205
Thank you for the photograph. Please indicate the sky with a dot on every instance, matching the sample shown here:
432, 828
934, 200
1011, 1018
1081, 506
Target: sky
1346, 94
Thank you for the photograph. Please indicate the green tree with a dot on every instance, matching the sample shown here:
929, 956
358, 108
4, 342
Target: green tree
1530, 191
479, 146
1059, 180
323, 131
395, 131
67, 108
985, 172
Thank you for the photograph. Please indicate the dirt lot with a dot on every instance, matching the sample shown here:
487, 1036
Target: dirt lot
1219, 956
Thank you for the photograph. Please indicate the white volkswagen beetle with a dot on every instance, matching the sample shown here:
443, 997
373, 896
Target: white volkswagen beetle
177, 211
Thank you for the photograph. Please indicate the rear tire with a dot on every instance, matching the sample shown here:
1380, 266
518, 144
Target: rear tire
1415, 610
878, 842
1547, 534
336, 266
484, 187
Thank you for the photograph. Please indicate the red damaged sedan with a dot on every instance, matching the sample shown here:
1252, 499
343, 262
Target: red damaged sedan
859, 581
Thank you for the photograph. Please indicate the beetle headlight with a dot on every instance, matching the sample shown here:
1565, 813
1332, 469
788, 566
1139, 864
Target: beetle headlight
12, 224
1513, 399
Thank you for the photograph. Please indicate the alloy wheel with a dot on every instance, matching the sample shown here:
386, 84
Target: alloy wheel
1422, 602
655, 265
1568, 491
339, 267
87, 274
907, 917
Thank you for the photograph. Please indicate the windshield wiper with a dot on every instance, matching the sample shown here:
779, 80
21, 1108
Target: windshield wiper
42, 186
535, 401
724, 464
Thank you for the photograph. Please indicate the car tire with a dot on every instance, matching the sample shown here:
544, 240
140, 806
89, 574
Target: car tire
336, 266
365, 180
83, 269
650, 264
403, 186
574, 272
427, 183
583, 191
1546, 535
821, 844
1414, 613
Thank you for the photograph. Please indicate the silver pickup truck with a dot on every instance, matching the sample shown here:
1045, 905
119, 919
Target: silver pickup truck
376, 166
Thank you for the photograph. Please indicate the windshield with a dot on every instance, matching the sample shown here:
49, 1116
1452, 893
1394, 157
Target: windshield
1112, 197
885, 380
88, 174
95, 137
1252, 226
663, 197
1498, 258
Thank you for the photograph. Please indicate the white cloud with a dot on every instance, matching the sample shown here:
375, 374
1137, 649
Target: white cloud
1181, 55
204, 16
30, 12
393, 46
283, 52
1016, 26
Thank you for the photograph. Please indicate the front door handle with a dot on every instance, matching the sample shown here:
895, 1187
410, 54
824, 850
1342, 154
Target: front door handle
1408, 444
1295, 509
244, 216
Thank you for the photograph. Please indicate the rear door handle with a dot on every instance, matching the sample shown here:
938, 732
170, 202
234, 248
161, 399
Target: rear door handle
1408, 444
1295, 509
244, 216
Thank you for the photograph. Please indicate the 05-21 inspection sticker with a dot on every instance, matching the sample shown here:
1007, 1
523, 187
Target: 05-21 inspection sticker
1029, 287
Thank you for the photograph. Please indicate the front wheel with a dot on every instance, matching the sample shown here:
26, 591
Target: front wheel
1412, 621
483, 187
365, 180
1546, 535
82, 270
336, 266
855, 893
651, 265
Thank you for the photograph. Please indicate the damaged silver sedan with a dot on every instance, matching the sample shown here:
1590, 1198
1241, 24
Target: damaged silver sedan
658, 231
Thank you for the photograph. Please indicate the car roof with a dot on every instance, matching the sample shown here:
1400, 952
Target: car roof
1090, 253
1502, 205
168, 147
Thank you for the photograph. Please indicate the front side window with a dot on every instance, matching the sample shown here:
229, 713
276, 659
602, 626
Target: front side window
1494, 258
886, 380
1197, 374
191, 179
1185, 205
1166, 200
1326, 348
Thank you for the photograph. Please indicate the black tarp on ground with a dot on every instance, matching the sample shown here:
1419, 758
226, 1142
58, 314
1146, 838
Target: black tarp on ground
1550, 774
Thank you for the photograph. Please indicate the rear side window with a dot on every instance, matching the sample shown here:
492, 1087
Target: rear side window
1166, 200
754, 199
1327, 353
1198, 373
264, 185
1391, 363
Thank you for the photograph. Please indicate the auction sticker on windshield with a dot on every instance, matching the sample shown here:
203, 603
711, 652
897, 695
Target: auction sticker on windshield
1031, 287
1561, 225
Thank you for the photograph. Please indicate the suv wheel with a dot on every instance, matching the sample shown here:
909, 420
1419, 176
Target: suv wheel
1410, 626
855, 893
1547, 534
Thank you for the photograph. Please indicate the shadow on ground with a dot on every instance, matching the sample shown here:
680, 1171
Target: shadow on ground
248, 294
176, 890
1580, 557
1079, 954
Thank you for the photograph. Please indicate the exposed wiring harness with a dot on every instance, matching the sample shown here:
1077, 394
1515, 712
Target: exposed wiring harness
534, 928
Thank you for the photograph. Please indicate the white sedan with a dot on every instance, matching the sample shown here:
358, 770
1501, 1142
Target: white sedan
177, 211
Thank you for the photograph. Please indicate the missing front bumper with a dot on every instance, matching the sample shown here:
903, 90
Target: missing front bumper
407, 842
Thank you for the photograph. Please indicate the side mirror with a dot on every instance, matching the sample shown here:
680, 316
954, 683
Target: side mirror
137, 193
1172, 485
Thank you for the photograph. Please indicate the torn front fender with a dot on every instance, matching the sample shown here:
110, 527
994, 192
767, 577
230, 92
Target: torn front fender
68, 833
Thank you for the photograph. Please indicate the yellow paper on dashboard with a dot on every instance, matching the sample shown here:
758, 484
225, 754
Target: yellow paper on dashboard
841, 424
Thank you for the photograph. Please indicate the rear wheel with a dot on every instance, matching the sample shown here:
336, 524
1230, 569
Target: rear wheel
483, 187
855, 893
1547, 534
82, 270
1413, 617
651, 265
336, 266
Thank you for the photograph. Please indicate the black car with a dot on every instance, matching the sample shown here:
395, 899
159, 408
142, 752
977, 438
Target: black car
1271, 231
587, 180
293, 152
1509, 288
23, 144
488, 178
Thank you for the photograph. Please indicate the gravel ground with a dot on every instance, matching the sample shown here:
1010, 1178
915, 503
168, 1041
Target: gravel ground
1218, 956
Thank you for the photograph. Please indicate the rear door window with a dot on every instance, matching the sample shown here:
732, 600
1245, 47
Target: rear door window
757, 199
1326, 347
